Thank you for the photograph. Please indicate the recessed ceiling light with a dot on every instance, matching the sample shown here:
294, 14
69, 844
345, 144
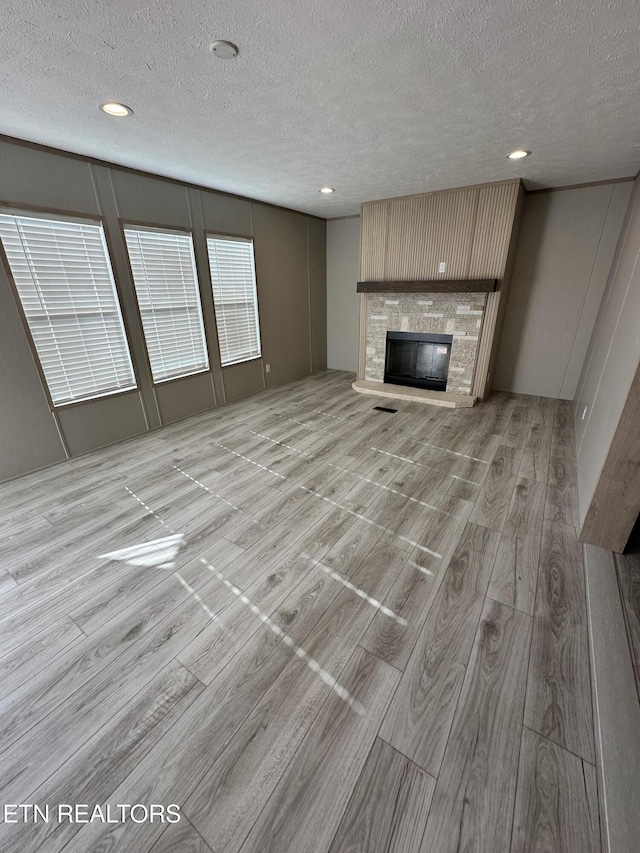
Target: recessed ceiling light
224, 49
518, 154
113, 108
327, 190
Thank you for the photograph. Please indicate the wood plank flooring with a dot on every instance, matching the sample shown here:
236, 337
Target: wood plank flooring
313, 626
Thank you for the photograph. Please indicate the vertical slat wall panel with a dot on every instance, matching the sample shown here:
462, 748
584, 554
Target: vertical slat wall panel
424, 230
402, 247
455, 217
496, 207
373, 238
405, 239
505, 211
362, 335
479, 387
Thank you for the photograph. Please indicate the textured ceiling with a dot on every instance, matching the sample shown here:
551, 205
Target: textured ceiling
377, 98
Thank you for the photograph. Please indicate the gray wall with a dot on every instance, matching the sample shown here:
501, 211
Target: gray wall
290, 271
343, 263
612, 359
565, 248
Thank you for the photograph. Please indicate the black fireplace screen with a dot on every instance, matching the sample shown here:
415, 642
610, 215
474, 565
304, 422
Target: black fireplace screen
418, 359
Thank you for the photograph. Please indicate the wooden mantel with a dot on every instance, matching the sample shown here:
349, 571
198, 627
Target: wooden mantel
467, 285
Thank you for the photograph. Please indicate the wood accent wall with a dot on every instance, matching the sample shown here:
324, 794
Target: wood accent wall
373, 235
423, 230
492, 233
472, 229
497, 302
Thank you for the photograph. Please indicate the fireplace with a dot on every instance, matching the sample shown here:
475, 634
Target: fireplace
418, 359
458, 315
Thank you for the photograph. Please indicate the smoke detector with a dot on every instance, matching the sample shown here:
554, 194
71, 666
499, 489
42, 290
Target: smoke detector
224, 49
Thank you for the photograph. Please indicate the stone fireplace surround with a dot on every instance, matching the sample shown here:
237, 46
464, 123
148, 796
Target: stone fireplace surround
457, 314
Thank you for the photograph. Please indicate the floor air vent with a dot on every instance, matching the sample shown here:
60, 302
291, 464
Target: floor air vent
384, 409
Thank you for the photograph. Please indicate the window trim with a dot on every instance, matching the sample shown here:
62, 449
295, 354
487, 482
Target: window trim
159, 382
62, 215
237, 238
59, 213
143, 225
240, 361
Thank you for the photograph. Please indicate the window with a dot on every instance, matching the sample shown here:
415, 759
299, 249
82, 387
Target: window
236, 301
64, 280
166, 283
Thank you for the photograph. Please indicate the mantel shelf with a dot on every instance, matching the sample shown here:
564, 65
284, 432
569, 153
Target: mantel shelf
436, 285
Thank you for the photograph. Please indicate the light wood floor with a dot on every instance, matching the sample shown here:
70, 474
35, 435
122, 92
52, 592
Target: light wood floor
312, 625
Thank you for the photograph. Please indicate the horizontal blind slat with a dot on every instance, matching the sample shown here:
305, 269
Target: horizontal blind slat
235, 297
166, 285
64, 279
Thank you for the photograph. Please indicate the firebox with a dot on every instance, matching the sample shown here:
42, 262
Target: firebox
418, 359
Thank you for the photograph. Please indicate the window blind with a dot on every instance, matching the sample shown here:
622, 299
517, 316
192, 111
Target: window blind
64, 280
236, 301
166, 283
